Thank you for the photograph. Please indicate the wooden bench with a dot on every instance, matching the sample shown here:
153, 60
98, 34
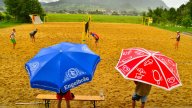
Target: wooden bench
48, 97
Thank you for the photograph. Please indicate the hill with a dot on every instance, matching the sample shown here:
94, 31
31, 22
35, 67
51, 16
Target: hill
1, 3
105, 5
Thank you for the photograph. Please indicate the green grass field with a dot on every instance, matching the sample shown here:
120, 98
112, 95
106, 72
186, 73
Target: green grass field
108, 19
94, 18
98, 18
8, 24
174, 28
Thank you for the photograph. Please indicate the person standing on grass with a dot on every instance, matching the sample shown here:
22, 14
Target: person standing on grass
32, 35
12, 38
67, 95
141, 92
177, 40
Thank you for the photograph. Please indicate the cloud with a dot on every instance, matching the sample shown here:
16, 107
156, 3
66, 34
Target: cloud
47, 1
174, 3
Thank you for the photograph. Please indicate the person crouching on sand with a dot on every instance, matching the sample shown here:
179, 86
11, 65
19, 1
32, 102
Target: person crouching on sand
32, 35
95, 36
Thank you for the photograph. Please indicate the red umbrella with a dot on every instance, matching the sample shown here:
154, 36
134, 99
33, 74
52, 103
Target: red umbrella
149, 67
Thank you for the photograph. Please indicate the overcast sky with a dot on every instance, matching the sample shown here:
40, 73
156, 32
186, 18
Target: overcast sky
175, 3
47, 0
169, 3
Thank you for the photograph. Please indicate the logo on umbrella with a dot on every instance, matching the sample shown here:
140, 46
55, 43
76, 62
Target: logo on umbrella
171, 80
157, 77
34, 66
125, 69
140, 74
139, 53
174, 71
84, 48
126, 52
171, 62
148, 62
126, 59
72, 73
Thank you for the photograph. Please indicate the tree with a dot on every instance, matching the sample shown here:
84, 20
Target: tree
181, 16
181, 12
157, 15
172, 14
150, 12
12, 7
164, 16
1, 16
189, 8
114, 13
186, 22
21, 9
30, 7
124, 12
1, 8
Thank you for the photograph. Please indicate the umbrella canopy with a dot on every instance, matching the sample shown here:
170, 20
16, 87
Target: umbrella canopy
149, 67
62, 67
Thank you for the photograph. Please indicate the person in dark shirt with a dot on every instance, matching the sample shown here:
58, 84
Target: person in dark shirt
32, 35
177, 40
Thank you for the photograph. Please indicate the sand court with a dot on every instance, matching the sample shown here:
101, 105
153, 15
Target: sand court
14, 80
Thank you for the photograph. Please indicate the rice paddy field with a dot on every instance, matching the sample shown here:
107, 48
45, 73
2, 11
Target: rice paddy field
14, 80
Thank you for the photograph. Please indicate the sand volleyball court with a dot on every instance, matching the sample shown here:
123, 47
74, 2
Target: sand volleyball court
14, 80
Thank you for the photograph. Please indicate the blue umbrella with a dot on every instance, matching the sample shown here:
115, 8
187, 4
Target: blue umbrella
62, 67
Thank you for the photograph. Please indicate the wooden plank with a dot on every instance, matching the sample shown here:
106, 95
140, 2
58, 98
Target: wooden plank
77, 97
29, 103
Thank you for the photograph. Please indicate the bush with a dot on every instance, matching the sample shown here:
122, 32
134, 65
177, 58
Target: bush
8, 17
115, 13
1, 16
186, 22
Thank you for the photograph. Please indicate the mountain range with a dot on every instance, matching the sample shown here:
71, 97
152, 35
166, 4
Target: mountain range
92, 5
117, 5
1, 3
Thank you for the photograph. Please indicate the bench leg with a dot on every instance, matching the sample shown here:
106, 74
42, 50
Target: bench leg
47, 102
94, 104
